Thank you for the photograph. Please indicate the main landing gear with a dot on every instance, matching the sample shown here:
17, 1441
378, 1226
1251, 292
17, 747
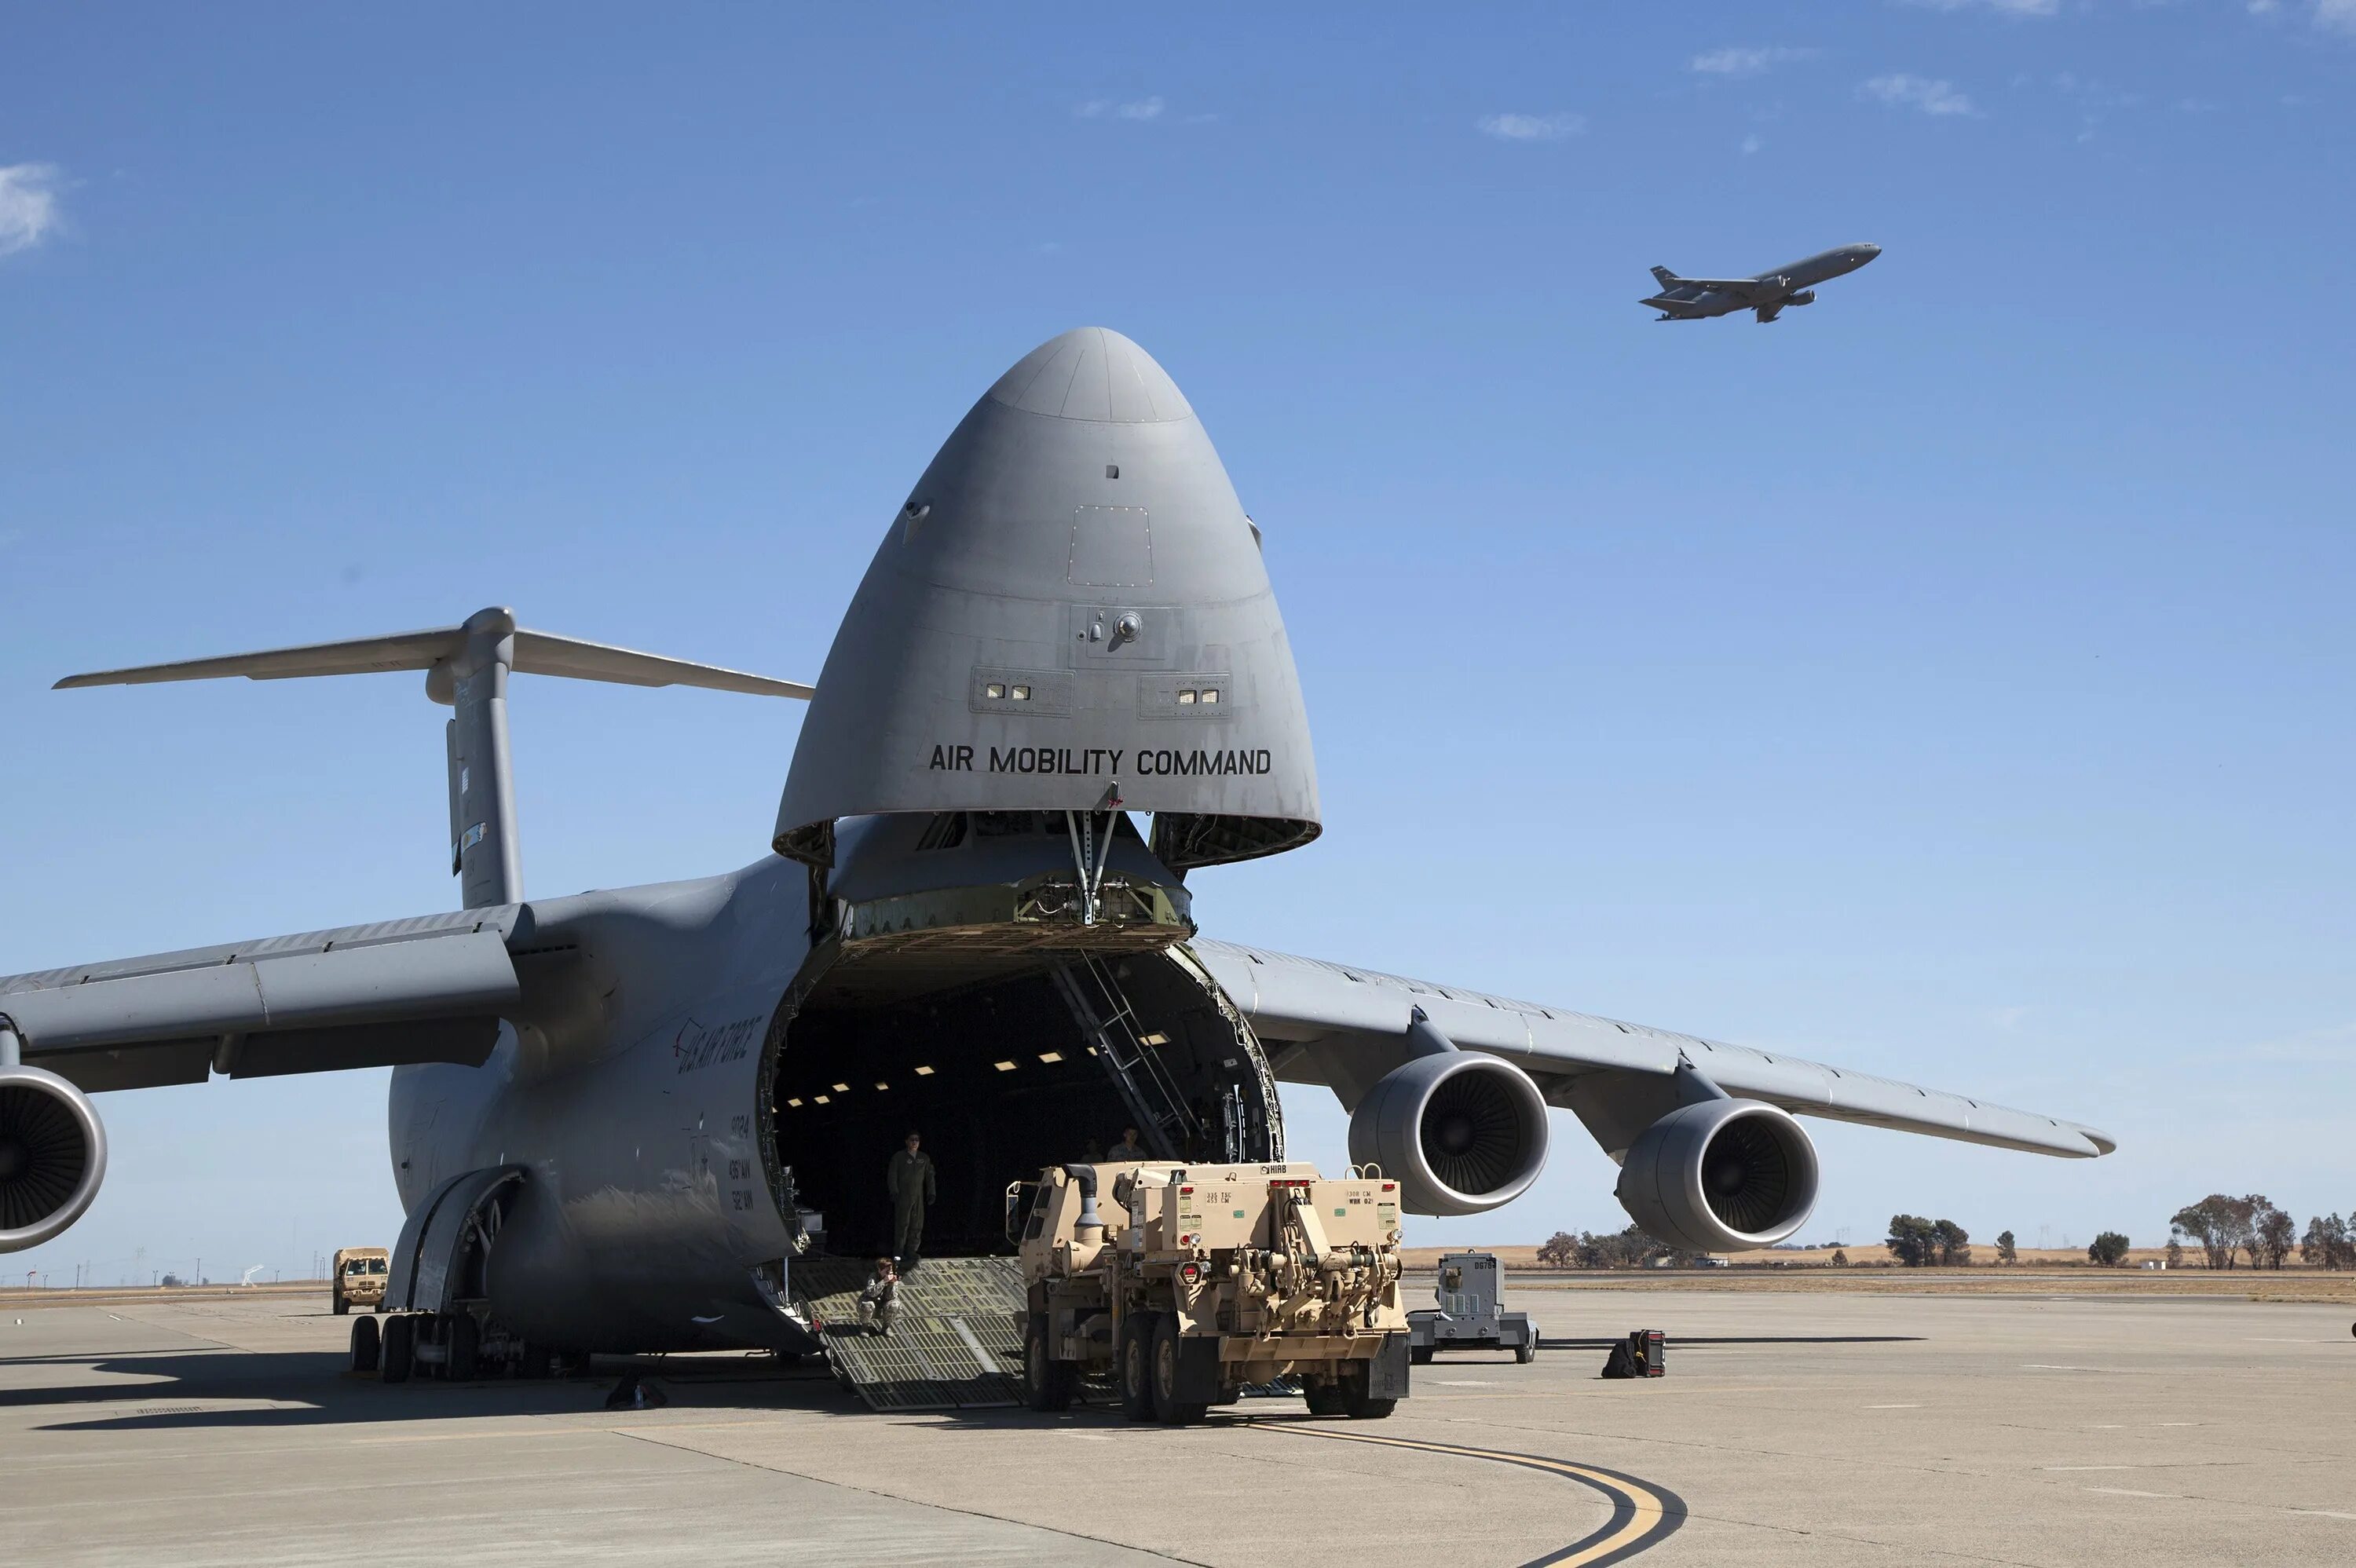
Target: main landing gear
452, 1345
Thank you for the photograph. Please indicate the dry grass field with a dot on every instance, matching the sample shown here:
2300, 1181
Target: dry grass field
2040, 1273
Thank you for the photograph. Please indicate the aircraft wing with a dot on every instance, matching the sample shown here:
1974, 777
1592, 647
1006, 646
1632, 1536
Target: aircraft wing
426, 990
1746, 289
1345, 1027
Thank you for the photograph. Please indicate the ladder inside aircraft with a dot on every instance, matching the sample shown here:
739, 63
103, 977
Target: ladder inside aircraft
1104, 1014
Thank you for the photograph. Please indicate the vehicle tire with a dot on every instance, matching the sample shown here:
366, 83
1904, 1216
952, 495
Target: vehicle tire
342, 1307
1323, 1394
465, 1342
1356, 1402
365, 1345
1419, 1355
1135, 1364
397, 1354
1168, 1408
1047, 1383
1526, 1351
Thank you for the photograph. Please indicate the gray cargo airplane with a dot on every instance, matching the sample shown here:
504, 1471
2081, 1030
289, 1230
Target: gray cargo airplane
1696, 299
622, 1121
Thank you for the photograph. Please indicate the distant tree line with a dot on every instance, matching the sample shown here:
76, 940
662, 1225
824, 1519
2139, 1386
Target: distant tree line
1918, 1243
1631, 1248
2228, 1229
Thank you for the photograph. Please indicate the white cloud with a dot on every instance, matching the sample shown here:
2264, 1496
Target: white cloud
1751, 143
2336, 15
28, 206
1747, 61
2009, 8
1135, 109
1532, 127
1901, 91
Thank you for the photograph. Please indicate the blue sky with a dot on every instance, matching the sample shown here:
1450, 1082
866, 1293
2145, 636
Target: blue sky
1950, 680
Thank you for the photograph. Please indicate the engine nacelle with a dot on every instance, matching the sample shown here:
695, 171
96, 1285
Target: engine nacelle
1459, 1132
52, 1156
1805, 296
1720, 1176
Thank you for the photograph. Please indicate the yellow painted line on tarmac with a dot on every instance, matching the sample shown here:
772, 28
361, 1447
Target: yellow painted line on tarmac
1643, 1514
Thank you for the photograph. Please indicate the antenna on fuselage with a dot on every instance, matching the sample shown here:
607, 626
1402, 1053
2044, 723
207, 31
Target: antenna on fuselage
466, 667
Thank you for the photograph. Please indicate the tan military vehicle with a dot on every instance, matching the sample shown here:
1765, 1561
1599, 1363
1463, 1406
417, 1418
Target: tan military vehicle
1191, 1282
359, 1278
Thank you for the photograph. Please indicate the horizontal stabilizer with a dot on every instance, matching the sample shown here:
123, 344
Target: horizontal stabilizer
536, 652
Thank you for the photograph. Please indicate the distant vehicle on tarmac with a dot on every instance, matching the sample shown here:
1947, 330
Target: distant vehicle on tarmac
1696, 299
359, 1278
1472, 1313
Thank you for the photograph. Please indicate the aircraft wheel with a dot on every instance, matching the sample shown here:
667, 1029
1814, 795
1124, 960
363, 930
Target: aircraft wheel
1168, 1408
1355, 1402
1324, 1395
399, 1348
365, 1346
1136, 1365
1047, 1383
463, 1344
1526, 1351
536, 1362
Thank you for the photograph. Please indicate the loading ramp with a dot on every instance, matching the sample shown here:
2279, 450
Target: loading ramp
957, 1344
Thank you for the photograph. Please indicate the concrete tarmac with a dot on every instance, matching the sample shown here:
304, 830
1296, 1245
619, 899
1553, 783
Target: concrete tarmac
2006, 1430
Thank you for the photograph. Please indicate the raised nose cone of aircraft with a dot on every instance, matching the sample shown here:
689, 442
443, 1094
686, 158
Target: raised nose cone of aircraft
1092, 374
1070, 608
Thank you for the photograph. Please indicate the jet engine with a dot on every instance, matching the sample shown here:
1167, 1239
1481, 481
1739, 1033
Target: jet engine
1805, 296
52, 1156
1720, 1176
1459, 1132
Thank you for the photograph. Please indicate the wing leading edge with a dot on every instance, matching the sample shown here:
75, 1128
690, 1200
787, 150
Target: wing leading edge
1350, 1027
427, 990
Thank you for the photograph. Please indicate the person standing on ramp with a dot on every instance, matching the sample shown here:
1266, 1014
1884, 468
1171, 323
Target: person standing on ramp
909, 1177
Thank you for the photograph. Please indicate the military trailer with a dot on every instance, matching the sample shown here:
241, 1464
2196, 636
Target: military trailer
1191, 1282
359, 1278
1471, 1315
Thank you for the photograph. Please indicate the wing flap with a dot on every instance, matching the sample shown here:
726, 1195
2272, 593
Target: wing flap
1305, 1001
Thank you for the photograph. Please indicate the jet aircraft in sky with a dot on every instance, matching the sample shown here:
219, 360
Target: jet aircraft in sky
627, 1120
1766, 295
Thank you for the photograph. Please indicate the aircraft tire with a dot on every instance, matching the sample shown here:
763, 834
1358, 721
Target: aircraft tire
1135, 1365
366, 1347
1168, 1408
463, 1364
399, 1348
537, 1361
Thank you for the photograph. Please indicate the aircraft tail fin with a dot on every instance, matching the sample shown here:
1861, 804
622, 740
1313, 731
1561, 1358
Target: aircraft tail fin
1665, 278
466, 667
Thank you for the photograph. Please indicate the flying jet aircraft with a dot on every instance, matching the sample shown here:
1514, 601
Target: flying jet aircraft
621, 1121
1694, 299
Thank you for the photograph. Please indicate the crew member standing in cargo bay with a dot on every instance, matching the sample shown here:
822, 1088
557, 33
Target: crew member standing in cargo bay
909, 1178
